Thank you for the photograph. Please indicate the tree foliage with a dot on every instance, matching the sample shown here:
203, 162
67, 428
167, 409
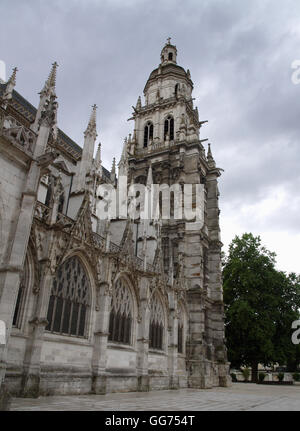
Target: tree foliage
260, 305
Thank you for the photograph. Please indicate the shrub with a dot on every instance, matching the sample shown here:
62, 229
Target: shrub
261, 376
280, 376
233, 377
296, 377
246, 374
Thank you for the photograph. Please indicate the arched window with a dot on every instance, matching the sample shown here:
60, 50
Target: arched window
170, 56
20, 303
156, 328
120, 319
69, 300
176, 90
169, 128
148, 133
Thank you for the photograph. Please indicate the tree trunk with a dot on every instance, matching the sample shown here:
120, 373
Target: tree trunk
254, 366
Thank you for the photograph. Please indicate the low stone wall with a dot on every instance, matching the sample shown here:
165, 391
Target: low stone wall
271, 376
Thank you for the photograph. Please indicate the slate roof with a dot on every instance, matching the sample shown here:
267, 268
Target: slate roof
26, 109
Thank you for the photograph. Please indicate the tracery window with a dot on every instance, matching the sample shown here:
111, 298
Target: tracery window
120, 319
169, 128
156, 328
69, 300
20, 303
148, 133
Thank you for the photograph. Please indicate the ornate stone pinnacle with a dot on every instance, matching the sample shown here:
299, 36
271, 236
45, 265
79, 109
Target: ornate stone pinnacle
91, 127
12, 79
49, 113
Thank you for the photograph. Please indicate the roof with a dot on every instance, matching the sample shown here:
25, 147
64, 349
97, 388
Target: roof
27, 110
167, 69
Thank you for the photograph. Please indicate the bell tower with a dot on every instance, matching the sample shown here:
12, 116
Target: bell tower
166, 140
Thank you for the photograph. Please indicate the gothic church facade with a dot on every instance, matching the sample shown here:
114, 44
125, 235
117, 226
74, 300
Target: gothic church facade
97, 306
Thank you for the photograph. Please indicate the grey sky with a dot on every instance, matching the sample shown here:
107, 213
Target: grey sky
239, 54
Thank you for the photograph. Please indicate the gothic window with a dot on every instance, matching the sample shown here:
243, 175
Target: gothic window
169, 128
156, 328
120, 319
69, 300
148, 133
20, 303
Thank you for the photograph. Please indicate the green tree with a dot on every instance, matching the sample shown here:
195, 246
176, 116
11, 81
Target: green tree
260, 305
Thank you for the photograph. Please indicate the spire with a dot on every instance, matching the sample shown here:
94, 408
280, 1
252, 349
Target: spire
47, 91
98, 160
210, 159
91, 127
113, 170
123, 163
138, 103
49, 87
9, 88
86, 164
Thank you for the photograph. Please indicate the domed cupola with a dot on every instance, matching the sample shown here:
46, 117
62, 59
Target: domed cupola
168, 53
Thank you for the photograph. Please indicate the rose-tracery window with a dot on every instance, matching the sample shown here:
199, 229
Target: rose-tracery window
120, 319
156, 328
69, 300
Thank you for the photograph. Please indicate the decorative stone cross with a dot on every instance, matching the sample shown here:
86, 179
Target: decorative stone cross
168, 40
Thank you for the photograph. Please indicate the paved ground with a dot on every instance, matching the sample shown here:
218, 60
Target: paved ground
240, 396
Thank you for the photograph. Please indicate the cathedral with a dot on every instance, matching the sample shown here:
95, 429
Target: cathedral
97, 304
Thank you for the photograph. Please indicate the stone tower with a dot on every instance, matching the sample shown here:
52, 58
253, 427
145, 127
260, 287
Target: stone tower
166, 147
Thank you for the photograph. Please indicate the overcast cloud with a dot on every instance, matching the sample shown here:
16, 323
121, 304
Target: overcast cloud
239, 54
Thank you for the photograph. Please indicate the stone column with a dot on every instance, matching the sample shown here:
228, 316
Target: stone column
99, 358
173, 343
10, 272
30, 385
143, 337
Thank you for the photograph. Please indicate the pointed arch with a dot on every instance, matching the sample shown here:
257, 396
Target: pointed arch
70, 299
123, 310
169, 128
148, 133
157, 323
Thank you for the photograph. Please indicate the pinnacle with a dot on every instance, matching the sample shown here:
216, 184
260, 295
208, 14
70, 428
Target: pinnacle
51, 81
12, 79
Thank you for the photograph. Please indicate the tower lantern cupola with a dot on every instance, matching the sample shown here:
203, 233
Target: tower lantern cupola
168, 53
